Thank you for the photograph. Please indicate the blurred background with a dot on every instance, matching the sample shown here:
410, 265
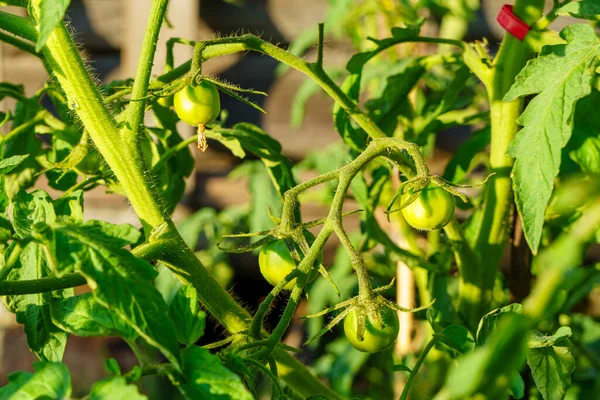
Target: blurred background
110, 33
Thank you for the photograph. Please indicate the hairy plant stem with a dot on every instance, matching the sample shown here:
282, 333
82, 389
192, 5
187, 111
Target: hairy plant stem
122, 153
492, 234
333, 223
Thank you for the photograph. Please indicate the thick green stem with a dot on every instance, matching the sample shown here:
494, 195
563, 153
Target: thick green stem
11, 288
495, 222
19, 26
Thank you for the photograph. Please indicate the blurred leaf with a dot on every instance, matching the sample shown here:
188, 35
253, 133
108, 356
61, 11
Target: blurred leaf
584, 9
83, 316
551, 363
399, 35
457, 337
401, 367
207, 378
502, 354
559, 76
584, 145
394, 99
115, 388
468, 156
8, 164
51, 380
356, 138
488, 323
307, 89
51, 14
186, 315
247, 137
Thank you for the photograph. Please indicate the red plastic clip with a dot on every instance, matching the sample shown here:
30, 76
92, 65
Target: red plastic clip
512, 23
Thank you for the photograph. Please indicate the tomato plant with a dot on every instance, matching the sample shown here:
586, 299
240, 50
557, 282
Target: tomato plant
490, 256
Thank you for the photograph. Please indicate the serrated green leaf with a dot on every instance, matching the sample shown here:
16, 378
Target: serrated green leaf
83, 316
551, 363
51, 14
559, 76
584, 9
115, 388
51, 380
120, 281
32, 208
44, 338
186, 314
207, 378
8, 164
457, 337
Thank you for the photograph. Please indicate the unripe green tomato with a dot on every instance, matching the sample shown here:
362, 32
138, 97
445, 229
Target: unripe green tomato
374, 338
276, 262
198, 105
166, 101
433, 209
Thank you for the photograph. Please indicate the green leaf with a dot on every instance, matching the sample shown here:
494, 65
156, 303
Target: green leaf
457, 337
488, 323
120, 281
69, 208
115, 388
207, 378
551, 363
32, 208
8, 164
401, 367
83, 316
468, 156
559, 76
584, 9
356, 138
51, 14
186, 314
584, 146
399, 35
394, 100
50, 381
44, 338
517, 387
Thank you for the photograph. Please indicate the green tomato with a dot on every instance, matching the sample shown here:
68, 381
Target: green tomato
198, 105
374, 339
276, 262
433, 209
166, 101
